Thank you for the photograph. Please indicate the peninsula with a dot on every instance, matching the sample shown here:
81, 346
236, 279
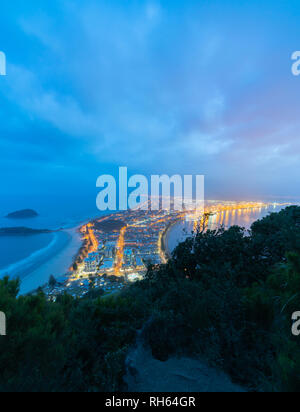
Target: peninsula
22, 231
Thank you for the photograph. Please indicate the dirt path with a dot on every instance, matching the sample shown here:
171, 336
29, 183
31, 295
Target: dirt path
146, 374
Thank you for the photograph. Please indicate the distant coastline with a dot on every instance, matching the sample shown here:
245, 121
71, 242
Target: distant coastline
22, 231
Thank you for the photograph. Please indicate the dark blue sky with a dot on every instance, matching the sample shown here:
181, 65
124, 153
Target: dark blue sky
200, 87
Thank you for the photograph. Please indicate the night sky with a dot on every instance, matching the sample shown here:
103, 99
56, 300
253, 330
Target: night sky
169, 86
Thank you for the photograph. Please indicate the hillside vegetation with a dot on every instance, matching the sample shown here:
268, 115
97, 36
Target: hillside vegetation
226, 296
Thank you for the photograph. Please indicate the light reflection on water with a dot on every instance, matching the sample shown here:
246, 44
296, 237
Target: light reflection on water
241, 217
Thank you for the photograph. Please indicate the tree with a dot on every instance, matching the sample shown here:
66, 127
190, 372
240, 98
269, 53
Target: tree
52, 282
226, 296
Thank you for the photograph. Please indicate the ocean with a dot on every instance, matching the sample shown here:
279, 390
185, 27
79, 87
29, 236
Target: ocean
35, 258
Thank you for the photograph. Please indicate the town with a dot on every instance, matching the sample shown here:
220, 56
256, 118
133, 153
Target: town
118, 248
116, 251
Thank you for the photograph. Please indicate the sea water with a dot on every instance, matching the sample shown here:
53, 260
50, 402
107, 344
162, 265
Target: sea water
34, 258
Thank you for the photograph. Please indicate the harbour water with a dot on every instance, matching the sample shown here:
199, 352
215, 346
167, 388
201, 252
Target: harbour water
243, 217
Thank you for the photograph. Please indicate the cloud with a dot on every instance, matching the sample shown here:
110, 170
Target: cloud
157, 84
61, 111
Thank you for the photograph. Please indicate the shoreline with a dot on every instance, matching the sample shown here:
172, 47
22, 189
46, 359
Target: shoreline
56, 259
218, 220
165, 239
67, 251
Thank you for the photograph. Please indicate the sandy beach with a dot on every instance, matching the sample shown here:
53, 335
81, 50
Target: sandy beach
56, 261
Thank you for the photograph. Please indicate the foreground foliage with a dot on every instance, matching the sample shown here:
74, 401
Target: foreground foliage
226, 296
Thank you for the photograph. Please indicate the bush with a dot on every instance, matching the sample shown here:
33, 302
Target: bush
225, 295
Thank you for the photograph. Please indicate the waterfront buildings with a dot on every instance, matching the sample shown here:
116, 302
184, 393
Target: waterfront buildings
119, 247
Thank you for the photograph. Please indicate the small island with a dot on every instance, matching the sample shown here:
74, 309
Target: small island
22, 231
23, 214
